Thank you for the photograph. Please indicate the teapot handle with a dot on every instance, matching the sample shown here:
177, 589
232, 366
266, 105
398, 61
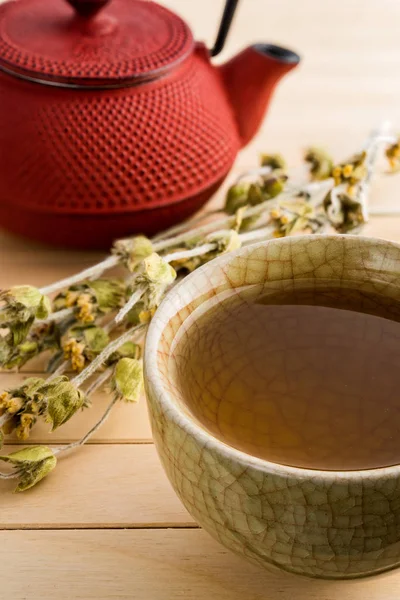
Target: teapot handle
226, 21
88, 8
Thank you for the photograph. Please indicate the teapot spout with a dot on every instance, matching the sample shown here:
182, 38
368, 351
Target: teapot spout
250, 78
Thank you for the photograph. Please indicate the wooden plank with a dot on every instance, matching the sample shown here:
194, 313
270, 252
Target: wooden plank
158, 565
97, 486
127, 422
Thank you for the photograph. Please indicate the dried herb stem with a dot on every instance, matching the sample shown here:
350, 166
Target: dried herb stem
98, 382
90, 273
102, 357
13, 475
60, 370
257, 234
88, 435
198, 251
224, 223
57, 316
135, 297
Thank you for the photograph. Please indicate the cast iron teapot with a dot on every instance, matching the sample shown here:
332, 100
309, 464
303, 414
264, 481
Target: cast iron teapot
113, 121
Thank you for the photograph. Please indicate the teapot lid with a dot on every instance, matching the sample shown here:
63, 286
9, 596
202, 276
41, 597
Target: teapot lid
91, 43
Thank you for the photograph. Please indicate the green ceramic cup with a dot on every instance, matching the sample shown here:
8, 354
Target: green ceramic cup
326, 524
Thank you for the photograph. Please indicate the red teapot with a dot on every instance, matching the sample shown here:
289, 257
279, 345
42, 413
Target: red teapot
113, 121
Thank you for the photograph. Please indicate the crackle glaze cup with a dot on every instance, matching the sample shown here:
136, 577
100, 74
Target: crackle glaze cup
329, 524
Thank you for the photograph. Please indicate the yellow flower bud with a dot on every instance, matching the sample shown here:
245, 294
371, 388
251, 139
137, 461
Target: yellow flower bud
347, 170
275, 213
22, 432
71, 298
4, 398
14, 405
351, 190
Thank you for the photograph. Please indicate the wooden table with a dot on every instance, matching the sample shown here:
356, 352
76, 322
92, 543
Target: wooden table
106, 524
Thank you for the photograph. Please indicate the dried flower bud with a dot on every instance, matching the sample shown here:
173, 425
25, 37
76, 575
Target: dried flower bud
275, 213
73, 351
84, 344
127, 381
226, 242
274, 161
14, 405
157, 275
393, 156
133, 251
255, 194
32, 465
89, 298
63, 400
346, 213
71, 298
236, 197
320, 162
30, 298
351, 173
140, 314
21, 305
273, 186
86, 312
296, 216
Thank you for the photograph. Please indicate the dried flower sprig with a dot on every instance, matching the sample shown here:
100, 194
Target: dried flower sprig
96, 324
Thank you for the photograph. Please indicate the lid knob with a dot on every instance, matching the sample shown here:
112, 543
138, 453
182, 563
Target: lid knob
88, 8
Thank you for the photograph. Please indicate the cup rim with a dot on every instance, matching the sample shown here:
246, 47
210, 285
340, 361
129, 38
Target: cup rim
154, 379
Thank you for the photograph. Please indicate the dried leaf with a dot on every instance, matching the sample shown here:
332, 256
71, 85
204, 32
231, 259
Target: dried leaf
27, 295
30, 386
129, 350
30, 455
236, 197
30, 298
32, 463
96, 339
63, 400
321, 163
275, 161
32, 476
109, 293
20, 329
273, 186
5, 351
128, 379
44, 308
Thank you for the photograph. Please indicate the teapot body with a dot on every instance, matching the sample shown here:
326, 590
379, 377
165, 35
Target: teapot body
82, 167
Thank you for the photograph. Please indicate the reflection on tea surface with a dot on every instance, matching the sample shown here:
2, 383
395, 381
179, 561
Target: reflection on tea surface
304, 377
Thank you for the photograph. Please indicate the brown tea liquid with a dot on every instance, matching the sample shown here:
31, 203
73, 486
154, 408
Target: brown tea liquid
304, 377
